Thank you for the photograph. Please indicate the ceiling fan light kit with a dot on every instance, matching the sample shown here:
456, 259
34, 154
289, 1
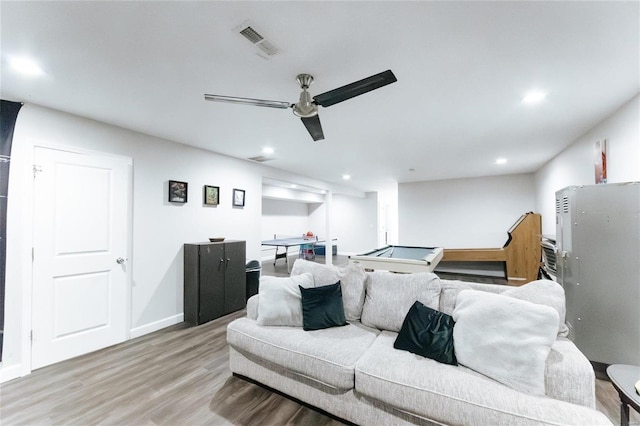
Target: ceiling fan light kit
307, 107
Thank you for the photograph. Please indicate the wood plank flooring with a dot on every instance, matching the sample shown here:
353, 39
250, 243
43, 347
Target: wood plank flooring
176, 376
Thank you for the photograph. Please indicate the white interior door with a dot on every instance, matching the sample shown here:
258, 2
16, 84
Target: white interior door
80, 278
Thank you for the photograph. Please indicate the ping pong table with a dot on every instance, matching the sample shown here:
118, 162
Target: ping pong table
292, 242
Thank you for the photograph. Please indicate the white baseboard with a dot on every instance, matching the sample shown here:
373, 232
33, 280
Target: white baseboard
155, 326
10, 372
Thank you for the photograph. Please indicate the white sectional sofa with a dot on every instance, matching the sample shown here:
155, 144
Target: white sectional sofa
354, 372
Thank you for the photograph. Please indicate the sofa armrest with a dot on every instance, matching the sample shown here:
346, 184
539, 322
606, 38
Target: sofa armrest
569, 375
252, 307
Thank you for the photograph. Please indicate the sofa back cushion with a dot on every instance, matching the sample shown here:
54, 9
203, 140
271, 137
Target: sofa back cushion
390, 296
352, 282
544, 292
451, 288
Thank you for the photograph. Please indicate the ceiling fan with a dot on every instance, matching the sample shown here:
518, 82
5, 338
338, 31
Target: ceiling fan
307, 107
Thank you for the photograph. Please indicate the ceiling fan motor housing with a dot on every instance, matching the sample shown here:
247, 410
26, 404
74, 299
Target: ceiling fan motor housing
305, 106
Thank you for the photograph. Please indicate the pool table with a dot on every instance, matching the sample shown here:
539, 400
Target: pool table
400, 258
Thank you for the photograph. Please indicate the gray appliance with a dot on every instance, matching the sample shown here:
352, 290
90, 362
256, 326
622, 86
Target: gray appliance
598, 264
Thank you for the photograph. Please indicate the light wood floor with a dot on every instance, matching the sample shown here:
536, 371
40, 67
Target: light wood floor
176, 376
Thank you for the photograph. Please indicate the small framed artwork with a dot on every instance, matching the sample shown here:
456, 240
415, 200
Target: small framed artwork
238, 197
211, 195
601, 161
178, 191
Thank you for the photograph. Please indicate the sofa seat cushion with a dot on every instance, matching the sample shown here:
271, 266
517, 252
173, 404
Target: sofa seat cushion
328, 355
455, 394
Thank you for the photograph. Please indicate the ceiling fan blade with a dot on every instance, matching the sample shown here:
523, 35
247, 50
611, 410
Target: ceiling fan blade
357, 88
248, 101
313, 126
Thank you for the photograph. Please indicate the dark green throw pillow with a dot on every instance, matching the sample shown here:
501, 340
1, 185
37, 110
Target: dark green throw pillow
428, 333
322, 307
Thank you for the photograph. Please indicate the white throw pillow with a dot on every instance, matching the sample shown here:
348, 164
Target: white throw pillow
544, 292
280, 301
504, 338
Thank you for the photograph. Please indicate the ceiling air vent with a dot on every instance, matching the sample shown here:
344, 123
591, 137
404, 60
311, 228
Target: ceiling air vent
259, 159
265, 47
251, 35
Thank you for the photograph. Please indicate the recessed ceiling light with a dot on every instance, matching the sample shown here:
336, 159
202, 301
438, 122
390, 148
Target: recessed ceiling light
346, 177
501, 161
26, 66
267, 150
533, 97
294, 186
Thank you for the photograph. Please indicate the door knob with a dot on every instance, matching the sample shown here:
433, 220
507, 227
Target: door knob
120, 261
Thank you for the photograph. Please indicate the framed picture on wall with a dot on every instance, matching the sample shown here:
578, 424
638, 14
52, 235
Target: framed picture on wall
238, 197
601, 161
178, 191
211, 195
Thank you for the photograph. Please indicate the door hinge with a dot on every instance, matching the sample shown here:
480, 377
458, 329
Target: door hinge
33, 254
31, 336
37, 169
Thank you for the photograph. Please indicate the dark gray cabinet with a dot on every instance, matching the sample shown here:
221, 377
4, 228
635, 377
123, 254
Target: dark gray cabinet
214, 280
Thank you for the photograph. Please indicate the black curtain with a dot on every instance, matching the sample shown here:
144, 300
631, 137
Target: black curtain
8, 115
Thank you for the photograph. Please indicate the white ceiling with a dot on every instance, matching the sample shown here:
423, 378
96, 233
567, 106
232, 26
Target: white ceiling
462, 69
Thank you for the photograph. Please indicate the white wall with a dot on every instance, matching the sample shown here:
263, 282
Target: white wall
284, 218
159, 228
354, 223
463, 213
318, 219
575, 165
388, 217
